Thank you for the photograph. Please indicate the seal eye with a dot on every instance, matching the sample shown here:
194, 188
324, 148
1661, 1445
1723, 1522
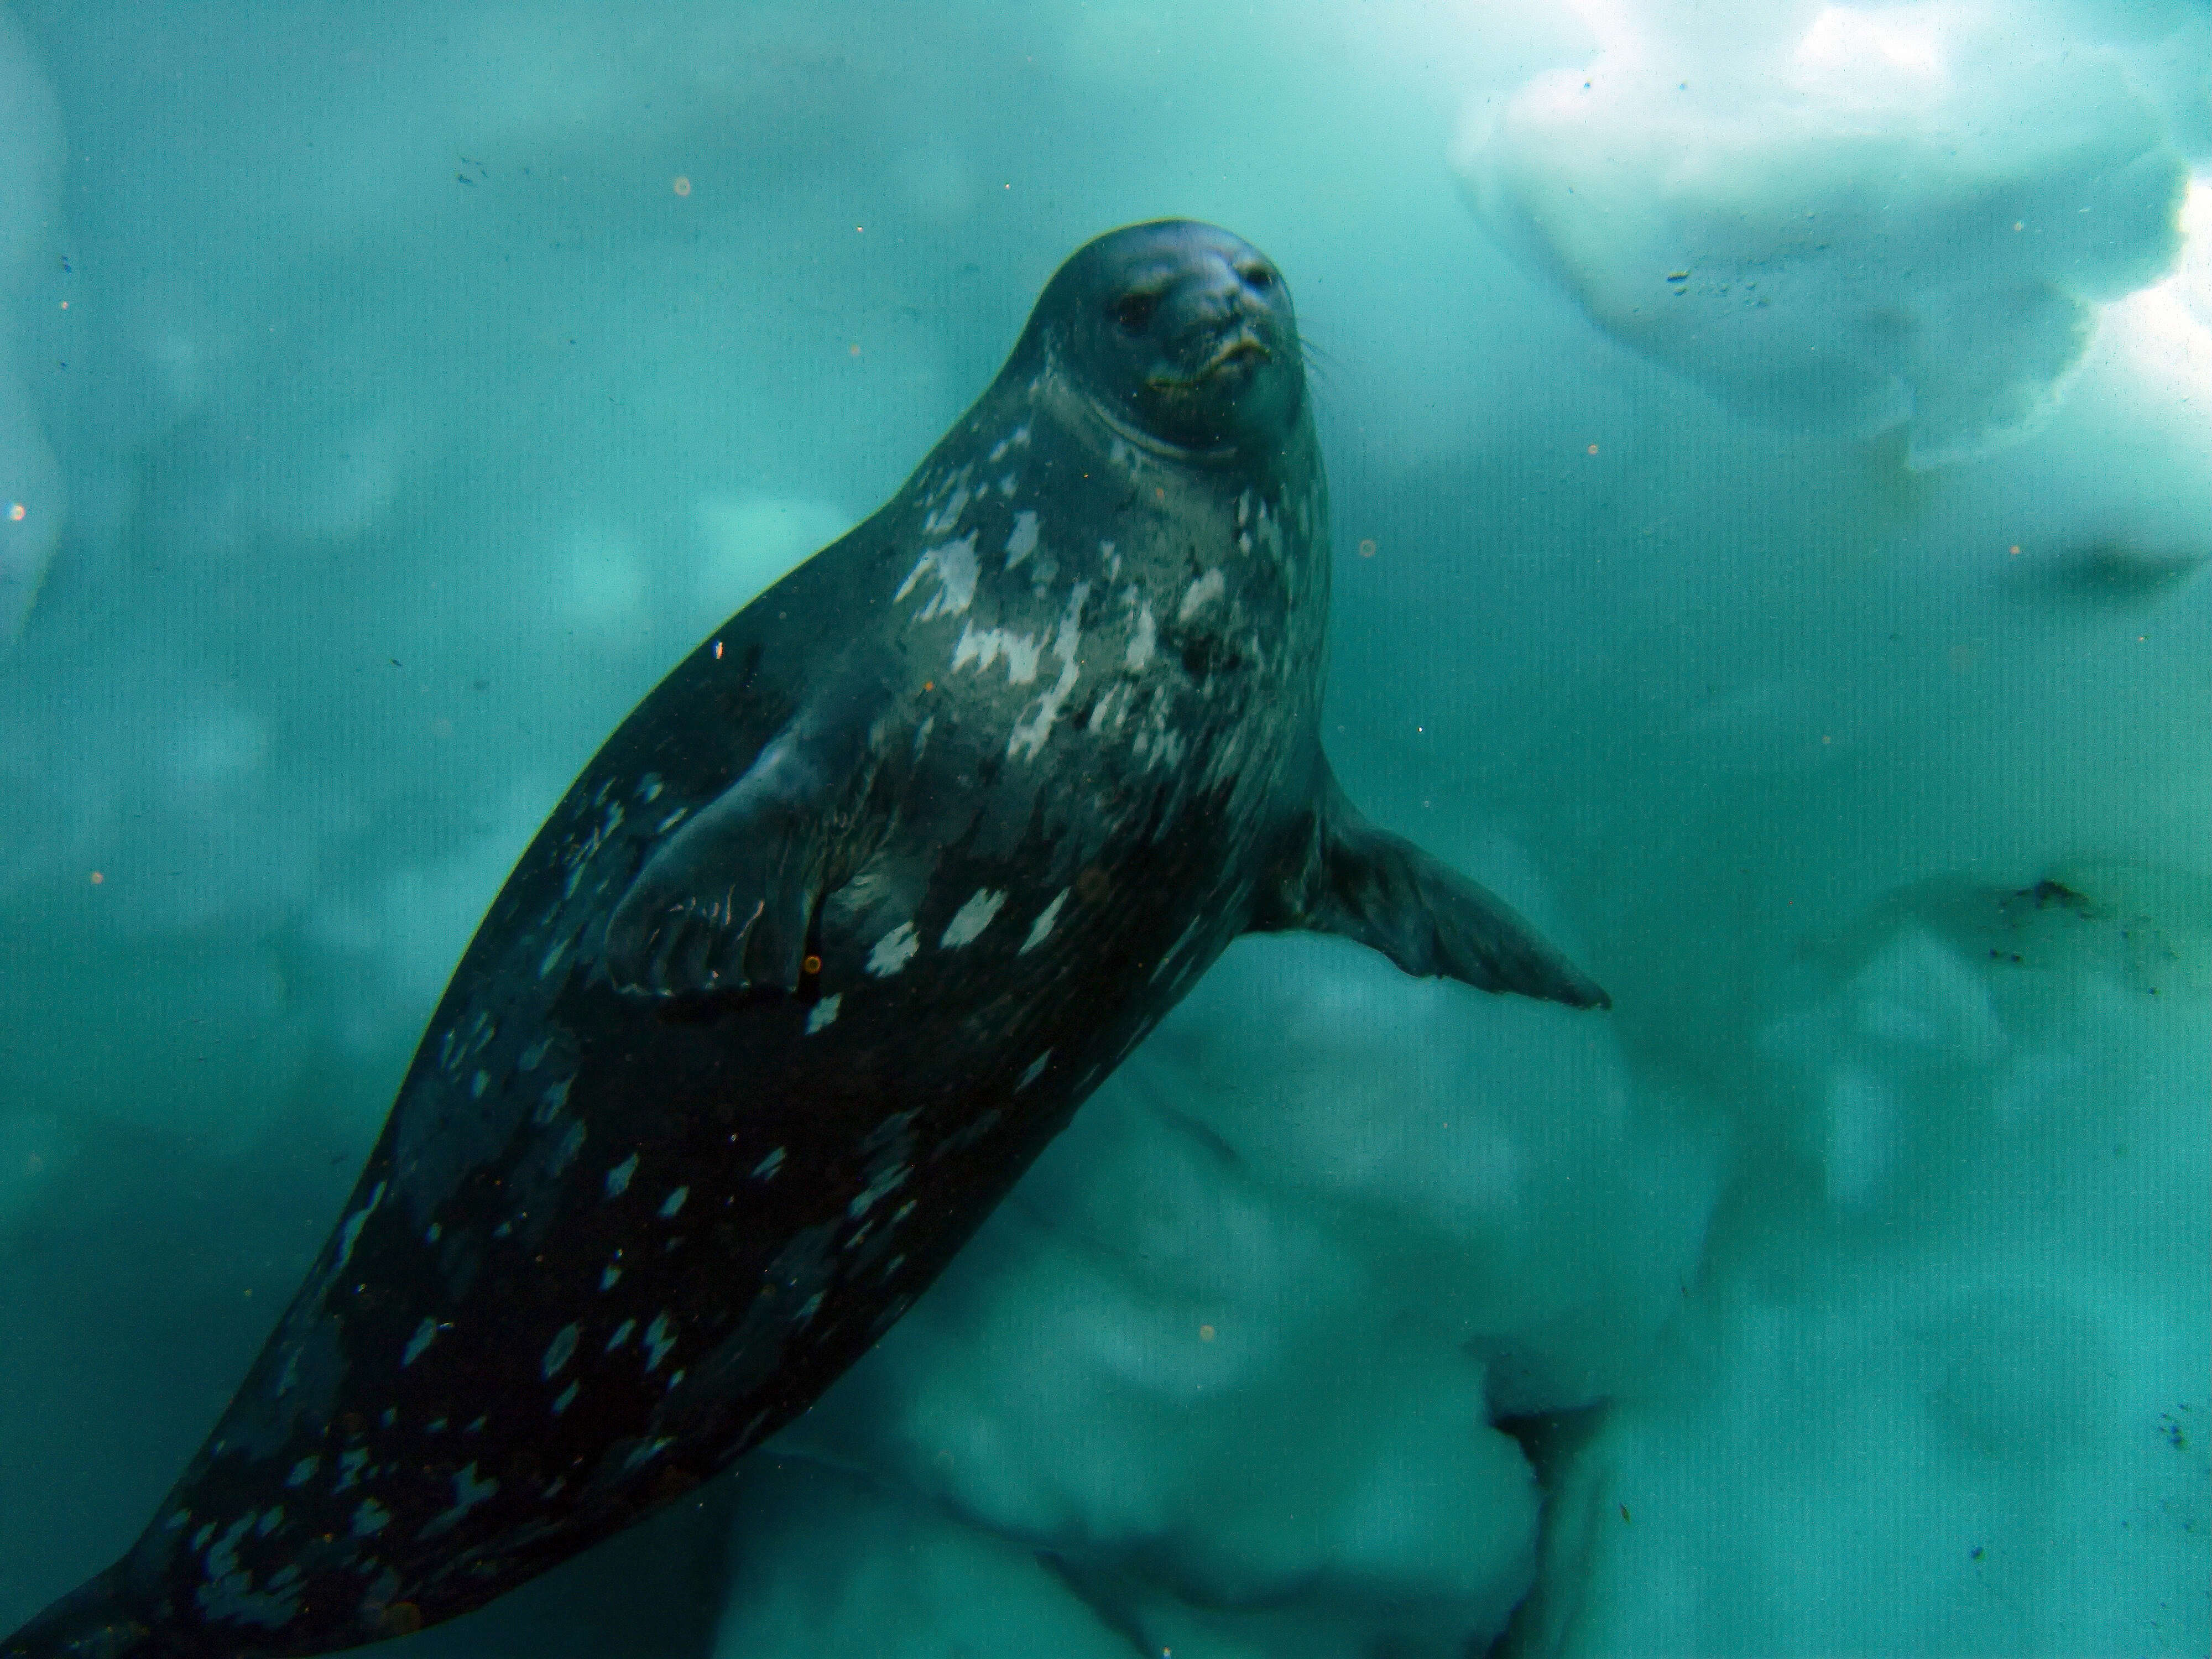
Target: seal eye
1259, 278
1134, 312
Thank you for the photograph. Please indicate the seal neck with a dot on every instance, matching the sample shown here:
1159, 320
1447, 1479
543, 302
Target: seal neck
1140, 439
1058, 390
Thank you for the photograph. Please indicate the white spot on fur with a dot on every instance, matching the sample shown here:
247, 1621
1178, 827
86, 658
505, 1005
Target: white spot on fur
1271, 532
972, 918
1024, 541
644, 1454
1033, 1070
304, 1470
1206, 590
469, 1492
557, 1350
1030, 734
1143, 640
565, 1399
425, 1335
1041, 929
1021, 651
370, 1519
551, 1102
618, 1177
889, 1181
949, 514
766, 1169
823, 1012
673, 1202
893, 950
620, 1336
350, 1235
1158, 745
608, 1276
956, 569
1115, 702
572, 1142
659, 1338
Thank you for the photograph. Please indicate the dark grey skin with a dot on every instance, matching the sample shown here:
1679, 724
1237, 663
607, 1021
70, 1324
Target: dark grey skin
827, 942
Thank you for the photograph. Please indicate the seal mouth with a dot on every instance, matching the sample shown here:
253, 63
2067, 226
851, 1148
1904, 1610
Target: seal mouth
1245, 351
1240, 354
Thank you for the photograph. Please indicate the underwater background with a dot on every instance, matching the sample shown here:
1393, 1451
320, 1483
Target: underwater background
1772, 478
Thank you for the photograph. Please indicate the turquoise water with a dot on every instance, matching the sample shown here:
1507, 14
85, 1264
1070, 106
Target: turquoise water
1772, 486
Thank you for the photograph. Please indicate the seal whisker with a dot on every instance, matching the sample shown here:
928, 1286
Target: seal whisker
1321, 362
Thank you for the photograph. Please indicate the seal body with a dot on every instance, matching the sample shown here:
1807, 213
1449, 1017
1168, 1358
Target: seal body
825, 943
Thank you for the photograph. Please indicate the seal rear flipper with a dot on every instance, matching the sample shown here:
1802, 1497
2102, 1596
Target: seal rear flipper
1381, 890
725, 903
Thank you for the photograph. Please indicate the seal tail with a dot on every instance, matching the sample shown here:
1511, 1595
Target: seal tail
1368, 885
92, 1621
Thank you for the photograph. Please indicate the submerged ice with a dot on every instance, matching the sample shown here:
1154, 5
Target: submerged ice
1770, 462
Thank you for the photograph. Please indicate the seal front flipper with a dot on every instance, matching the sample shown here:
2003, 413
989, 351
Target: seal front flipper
1368, 885
724, 904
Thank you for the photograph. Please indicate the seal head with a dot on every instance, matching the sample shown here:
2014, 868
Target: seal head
1182, 334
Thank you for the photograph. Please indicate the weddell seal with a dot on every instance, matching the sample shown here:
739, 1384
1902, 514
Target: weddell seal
826, 943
